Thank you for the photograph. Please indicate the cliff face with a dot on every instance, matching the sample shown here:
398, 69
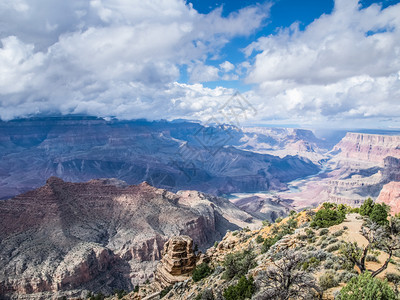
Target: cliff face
168, 155
368, 147
100, 235
390, 195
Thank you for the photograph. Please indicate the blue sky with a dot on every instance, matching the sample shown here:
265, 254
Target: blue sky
308, 63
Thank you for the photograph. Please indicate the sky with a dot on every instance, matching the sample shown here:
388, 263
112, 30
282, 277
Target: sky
310, 63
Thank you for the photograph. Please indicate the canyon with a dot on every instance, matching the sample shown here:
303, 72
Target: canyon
172, 155
70, 238
89, 203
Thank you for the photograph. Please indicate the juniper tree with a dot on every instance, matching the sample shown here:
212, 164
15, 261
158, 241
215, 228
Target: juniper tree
284, 279
385, 238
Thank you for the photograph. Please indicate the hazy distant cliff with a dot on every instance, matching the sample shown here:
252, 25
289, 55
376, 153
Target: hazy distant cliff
176, 156
368, 147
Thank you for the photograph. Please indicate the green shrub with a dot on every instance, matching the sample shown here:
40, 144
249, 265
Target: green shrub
345, 227
373, 258
244, 289
239, 263
266, 223
259, 239
323, 231
345, 276
379, 214
278, 220
310, 263
235, 233
216, 244
246, 229
201, 271
165, 291
364, 286
355, 210
393, 277
328, 280
366, 207
205, 295
328, 216
338, 233
268, 243
333, 247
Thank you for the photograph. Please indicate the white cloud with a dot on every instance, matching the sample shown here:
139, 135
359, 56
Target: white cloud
227, 66
116, 57
203, 73
343, 68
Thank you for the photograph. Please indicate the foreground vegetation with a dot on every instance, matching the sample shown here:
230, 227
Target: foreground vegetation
308, 255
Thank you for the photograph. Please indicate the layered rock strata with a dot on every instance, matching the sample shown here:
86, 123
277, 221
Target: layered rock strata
178, 261
66, 238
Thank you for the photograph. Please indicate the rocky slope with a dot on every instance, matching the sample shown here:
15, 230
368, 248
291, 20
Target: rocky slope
172, 155
64, 238
390, 195
318, 249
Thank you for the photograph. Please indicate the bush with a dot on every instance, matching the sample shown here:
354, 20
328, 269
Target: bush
235, 233
323, 232
205, 295
379, 214
216, 244
278, 220
268, 243
333, 247
259, 239
328, 280
201, 271
328, 216
393, 277
366, 207
364, 286
242, 290
355, 210
373, 258
266, 223
238, 264
310, 264
345, 227
338, 233
345, 276
165, 291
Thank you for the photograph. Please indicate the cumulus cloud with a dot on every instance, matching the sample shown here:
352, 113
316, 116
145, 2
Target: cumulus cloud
343, 66
124, 58
117, 57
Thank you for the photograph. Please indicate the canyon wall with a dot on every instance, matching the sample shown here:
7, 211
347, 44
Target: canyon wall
370, 148
171, 155
65, 238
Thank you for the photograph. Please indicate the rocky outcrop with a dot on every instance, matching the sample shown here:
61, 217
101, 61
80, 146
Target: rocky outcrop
178, 261
64, 238
390, 195
370, 148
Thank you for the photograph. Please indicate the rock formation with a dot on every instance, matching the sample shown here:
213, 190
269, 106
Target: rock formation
178, 261
102, 235
390, 195
371, 148
168, 155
